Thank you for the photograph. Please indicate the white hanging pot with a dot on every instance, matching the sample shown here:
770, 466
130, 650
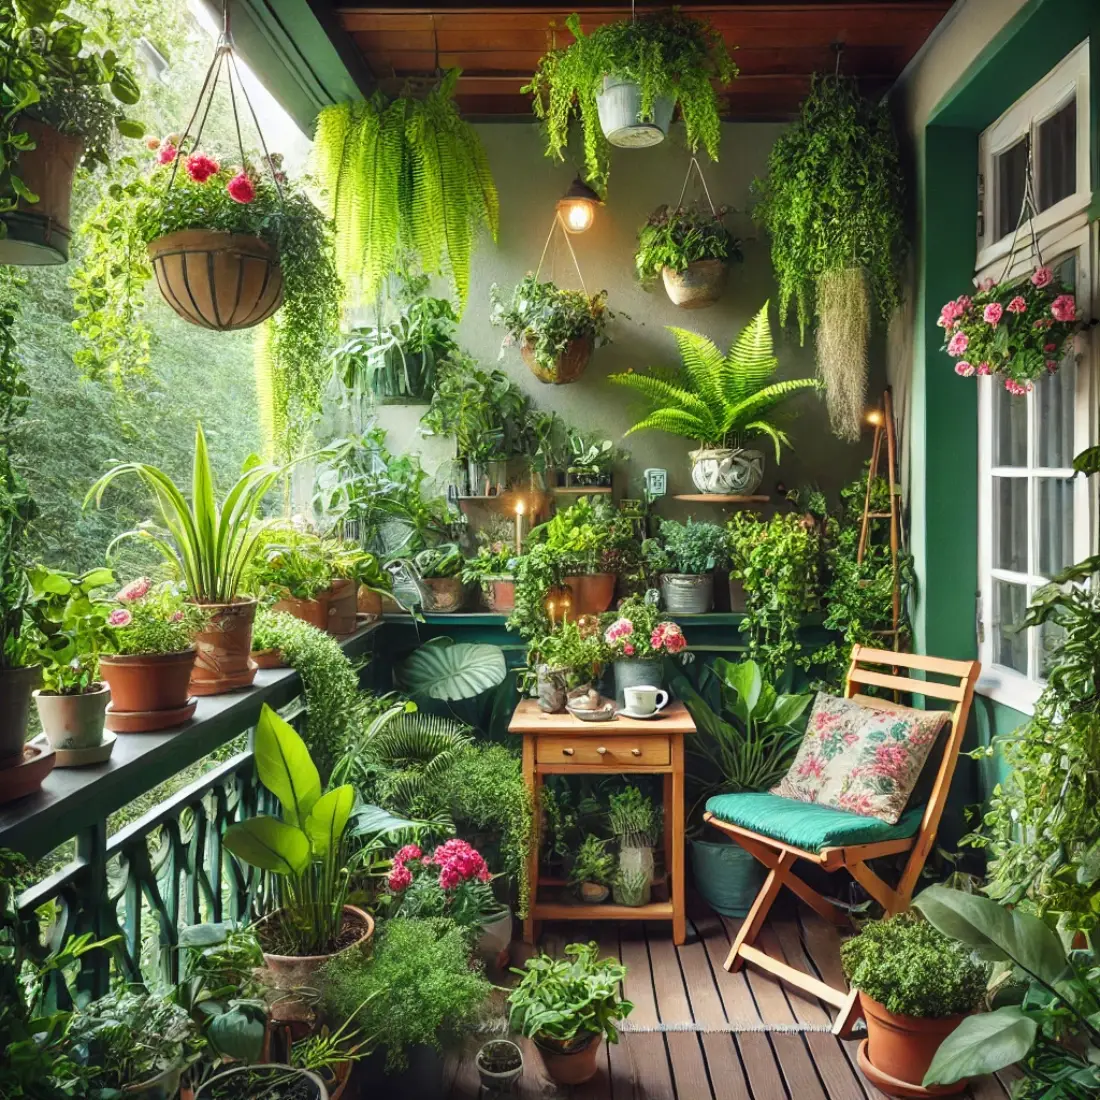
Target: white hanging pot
733, 470
619, 106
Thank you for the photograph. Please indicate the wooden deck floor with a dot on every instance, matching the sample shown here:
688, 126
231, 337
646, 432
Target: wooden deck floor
700, 1033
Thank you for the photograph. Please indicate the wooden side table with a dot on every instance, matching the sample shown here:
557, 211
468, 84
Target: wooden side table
559, 744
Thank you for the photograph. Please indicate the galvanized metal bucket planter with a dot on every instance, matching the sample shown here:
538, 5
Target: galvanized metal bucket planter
637, 672
687, 593
620, 107
699, 285
727, 470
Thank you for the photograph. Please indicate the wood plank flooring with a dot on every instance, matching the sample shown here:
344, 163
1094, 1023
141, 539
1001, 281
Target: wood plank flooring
700, 1033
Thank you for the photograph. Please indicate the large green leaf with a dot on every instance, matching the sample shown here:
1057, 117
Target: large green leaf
374, 823
329, 818
238, 1032
270, 844
984, 1043
1088, 461
285, 766
444, 670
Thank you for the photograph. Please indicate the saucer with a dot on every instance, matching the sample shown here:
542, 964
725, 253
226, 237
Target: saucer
624, 712
79, 758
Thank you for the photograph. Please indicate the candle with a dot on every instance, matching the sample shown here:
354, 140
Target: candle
519, 525
550, 606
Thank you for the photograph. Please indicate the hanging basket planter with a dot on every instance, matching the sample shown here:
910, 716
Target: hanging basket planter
220, 281
620, 108
568, 366
699, 285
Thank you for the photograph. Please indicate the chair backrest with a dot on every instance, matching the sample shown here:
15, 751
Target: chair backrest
955, 685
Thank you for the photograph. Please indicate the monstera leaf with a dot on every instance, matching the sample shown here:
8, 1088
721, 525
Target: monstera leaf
445, 670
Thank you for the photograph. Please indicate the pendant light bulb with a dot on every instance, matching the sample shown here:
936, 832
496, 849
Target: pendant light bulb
578, 207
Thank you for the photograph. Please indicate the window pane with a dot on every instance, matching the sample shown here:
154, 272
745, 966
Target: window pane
1010, 523
1050, 636
1054, 413
1009, 605
1011, 172
1009, 428
1058, 156
1054, 529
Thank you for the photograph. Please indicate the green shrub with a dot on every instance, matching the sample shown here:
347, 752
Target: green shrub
913, 969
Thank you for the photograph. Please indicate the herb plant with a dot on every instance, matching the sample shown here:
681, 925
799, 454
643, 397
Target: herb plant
590, 458
667, 54
635, 818
151, 620
288, 562
678, 237
690, 547
578, 654
593, 863
488, 564
440, 561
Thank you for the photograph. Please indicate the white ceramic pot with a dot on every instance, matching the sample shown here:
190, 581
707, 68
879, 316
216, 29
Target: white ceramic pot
495, 941
727, 470
619, 106
74, 721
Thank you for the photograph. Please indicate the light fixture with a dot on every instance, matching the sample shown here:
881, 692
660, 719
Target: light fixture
578, 206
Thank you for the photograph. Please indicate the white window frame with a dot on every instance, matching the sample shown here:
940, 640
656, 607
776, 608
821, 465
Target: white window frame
1063, 230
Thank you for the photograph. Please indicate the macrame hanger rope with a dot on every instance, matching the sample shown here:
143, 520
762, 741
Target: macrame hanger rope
1027, 210
559, 224
702, 179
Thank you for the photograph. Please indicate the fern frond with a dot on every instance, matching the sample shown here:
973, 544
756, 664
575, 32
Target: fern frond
419, 748
658, 390
703, 364
752, 408
751, 361
776, 435
675, 422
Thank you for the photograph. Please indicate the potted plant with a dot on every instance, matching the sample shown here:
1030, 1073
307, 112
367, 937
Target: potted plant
746, 742
639, 638
722, 401
832, 206
568, 1005
149, 669
491, 569
272, 1081
915, 987
625, 78
209, 546
547, 448
61, 103
1018, 331
565, 660
590, 460
592, 871
585, 541
499, 1066
267, 636
394, 362
308, 850
356, 573
556, 329
290, 568
636, 826
440, 568
686, 556
691, 250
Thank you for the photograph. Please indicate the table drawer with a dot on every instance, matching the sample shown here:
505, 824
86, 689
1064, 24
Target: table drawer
643, 750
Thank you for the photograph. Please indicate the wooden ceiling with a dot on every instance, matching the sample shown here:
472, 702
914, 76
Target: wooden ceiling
778, 45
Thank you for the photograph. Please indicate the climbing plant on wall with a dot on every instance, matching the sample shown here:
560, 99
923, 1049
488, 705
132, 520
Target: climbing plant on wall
405, 177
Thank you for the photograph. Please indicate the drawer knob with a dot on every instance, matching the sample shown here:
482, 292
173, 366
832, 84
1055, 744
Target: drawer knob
567, 752
635, 752
602, 751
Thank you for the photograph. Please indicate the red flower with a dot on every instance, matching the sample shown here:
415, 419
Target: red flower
167, 153
200, 167
241, 189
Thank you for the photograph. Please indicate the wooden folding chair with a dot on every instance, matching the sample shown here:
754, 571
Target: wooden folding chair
779, 857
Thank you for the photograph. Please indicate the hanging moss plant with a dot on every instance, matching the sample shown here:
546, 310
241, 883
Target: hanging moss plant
667, 54
832, 203
405, 178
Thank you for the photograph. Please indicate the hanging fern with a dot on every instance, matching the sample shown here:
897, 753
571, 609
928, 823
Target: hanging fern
405, 177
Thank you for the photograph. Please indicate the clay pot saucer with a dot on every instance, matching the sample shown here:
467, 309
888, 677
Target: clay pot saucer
149, 721
904, 1089
26, 777
80, 758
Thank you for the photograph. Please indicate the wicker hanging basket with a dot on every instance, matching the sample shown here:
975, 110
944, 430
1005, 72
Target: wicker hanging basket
221, 281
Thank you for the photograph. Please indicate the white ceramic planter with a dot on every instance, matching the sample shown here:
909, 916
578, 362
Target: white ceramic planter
73, 721
619, 106
727, 470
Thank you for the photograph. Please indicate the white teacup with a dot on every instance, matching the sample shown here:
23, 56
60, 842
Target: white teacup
644, 699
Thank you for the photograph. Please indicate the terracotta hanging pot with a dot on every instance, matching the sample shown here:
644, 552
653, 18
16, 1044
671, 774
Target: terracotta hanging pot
149, 691
224, 648
568, 367
221, 281
342, 608
700, 284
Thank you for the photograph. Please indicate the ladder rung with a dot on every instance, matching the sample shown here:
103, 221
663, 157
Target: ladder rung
879, 515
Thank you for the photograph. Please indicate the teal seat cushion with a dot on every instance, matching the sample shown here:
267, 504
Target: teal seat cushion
807, 825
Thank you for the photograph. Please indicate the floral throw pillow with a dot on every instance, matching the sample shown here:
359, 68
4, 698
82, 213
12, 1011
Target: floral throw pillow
862, 759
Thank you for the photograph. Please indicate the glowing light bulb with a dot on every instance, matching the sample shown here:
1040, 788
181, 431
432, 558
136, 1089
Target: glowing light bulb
578, 207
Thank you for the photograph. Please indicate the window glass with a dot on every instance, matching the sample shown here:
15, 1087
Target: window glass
1009, 429
1054, 525
1010, 524
1058, 156
1011, 166
1055, 397
1009, 606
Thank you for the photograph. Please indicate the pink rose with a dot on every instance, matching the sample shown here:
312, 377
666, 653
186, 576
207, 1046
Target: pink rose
1015, 388
1050, 347
984, 368
200, 167
135, 590
986, 284
1064, 308
400, 878
964, 302
1043, 277
241, 189
963, 369
1017, 305
628, 649
1051, 365
957, 345
992, 313
167, 153
120, 617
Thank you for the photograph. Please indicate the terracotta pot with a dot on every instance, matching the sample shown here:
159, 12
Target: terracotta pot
699, 285
25, 775
593, 893
342, 608
290, 972
73, 721
16, 687
223, 662
902, 1047
268, 658
149, 682
592, 593
218, 280
314, 612
568, 367
39, 233
390, 606
574, 1067
447, 594
369, 603
500, 594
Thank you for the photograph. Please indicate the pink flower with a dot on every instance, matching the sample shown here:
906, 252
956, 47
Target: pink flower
957, 345
949, 314
992, 313
200, 167
176, 617
410, 851
628, 649
400, 878
891, 760
120, 617
1015, 388
812, 766
1043, 277
135, 590
167, 153
1043, 323
241, 189
1017, 305
963, 369
964, 302
986, 284
620, 628
1051, 365
984, 368
1050, 347
1064, 308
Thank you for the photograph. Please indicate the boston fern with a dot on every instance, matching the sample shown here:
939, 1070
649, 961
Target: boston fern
675, 237
719, 400
666, 53
405, 177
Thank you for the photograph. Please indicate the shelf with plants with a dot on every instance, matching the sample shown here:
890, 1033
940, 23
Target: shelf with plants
723, 498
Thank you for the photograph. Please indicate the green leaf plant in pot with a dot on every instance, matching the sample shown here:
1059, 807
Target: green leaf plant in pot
748, 734
291, 571
492, 570
568, 1006
685, 555
636, 825
440, 570
915, 987
61, 103
565, 661
308, 851
638, 639
625, 79
556, 330
152, 630
592, 870
209, 545
722, 401
591, 459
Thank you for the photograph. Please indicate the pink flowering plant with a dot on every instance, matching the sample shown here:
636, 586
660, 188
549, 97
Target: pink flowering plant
453, 881
149, 620
638, 629
1017, 331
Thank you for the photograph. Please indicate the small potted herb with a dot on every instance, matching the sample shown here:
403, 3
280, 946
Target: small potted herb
587, 541
593, 870
152, 629
686, 556
915, 986
638, 638
565, 660
690, 250
269, 1081
557, 330
568, 1005
636, 825
290, 568
440, 568
500, 1066
590, 460
491, 569
266, 637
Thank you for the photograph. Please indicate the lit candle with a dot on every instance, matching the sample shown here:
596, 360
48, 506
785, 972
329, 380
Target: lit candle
550, 607
519, 525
